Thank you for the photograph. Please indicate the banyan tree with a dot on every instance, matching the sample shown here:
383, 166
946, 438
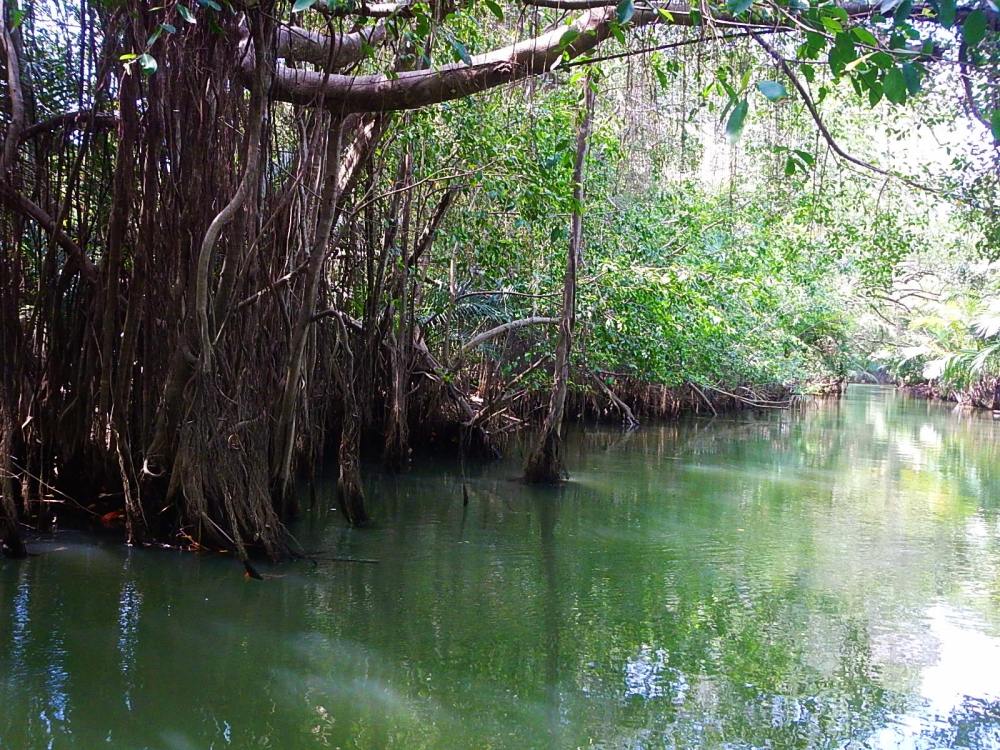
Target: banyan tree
213, 237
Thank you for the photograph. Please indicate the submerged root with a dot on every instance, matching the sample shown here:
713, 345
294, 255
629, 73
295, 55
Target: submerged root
351, 500
220, 470
545, 464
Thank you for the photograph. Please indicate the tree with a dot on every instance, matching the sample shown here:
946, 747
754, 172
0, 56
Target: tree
544, 462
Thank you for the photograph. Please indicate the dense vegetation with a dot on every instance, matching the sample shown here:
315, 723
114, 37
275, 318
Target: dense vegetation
239, 237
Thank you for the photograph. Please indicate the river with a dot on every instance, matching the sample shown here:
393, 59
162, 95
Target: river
824, 578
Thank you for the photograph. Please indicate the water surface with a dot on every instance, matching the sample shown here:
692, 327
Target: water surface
823, 579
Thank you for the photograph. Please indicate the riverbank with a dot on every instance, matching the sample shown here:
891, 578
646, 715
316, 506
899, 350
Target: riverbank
486, 416
984, 394
446, 423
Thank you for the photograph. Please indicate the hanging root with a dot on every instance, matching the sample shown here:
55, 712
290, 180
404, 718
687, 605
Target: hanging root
628, 418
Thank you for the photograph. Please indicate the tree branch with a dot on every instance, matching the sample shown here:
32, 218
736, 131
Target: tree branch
502, 329
824, 130
16, 96
417, 88
70, 120
22, 205
426, 237
412, 89
325, 51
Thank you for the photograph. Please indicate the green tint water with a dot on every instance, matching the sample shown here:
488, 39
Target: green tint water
823, 579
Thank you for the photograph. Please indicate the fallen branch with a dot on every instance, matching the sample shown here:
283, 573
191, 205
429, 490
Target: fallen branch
756, 402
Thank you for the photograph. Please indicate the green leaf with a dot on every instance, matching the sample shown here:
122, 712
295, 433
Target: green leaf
902, 12
617, 33
737, 118
883, 59
186, 14
568, 36
460, 51
974, 28
912, 77
169, 28
625, 11
157, 33
995, 125
17, 18
832, 25
946, 15
738, 6
842, 54
210, 4
806, 157
789, 166
894, 86
128, 57
495, 8
773, 90
875, 94
301, 5
864, 36
662, 78
147, 63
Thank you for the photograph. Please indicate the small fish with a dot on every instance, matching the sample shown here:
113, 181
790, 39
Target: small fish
112, 519
249, 571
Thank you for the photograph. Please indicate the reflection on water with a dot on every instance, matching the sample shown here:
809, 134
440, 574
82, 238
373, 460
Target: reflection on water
828, 579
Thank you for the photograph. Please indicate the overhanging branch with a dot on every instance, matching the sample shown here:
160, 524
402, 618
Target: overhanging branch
485, 336
824, 130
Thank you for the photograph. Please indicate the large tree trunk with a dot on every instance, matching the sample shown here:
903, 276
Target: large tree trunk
545, 463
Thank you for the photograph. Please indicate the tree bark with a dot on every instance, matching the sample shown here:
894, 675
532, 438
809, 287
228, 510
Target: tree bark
350, 495
11, 544
396, 451
545, 463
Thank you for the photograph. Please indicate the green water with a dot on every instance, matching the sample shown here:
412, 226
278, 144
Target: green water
823, 579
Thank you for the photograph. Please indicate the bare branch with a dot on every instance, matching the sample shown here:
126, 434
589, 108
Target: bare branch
325, 51
70, 121
502, 329
24, 206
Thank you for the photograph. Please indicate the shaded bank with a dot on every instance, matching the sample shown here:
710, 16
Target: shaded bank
983, 394
445, 423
